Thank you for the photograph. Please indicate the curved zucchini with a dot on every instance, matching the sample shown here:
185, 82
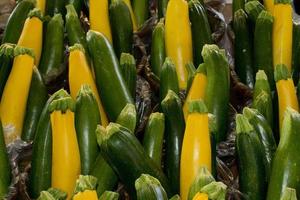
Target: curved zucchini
5, 174
6, 62
108, 75
37, 98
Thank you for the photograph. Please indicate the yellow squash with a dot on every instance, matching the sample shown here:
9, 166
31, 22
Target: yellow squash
282, 33
200, 196
85, 188
269, 4
99, 17
128, 3
178, 38
32, 34
196, 147
80, 74
197, 90
65, 150
286, 91
15, 94
86, 195
41, 4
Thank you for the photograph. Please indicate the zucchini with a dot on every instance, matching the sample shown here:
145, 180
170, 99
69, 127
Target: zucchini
265, 135
168, 79
296, 52
52, 194
289, 194
55, 7
190, 68
107, 179
16, 20
162, 8
126, 156
53, 50
285, 168
175, 125
108, 195
218, 84
41, 163
236, 5
35, 105
263, 46
128, 118
108, 75
158, 51
201, 31
5, 175
128, 66
253, 9
215, 190
85, 188
77, 4
87, 117
148, 187
121, 27
154, 137
6, 62
141, 11
250, 160
243, 48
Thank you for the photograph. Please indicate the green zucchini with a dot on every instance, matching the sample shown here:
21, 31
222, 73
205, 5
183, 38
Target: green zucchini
215, 190
289, 194
296, 52
262, 97
158, 51
263, 53
253, 9
55, 7
6, 62
265, 135
37, 98
126, 156
41, 163
168, 79
236, 5
175, 197
107, 179
203, 178
243, 48
285, 168
87, 117
175, 126
15, 22
213, 134
108, 195
148, 187
128, 117
5, 174
162, 8
128, 66
190, 68
52, 194
53, 50
121, 27
109, 80
201, 31
250, 160
75, 31
77, 4
218, 85
141, 11
154, 137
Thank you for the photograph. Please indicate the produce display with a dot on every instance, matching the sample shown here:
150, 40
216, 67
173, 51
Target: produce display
150, 99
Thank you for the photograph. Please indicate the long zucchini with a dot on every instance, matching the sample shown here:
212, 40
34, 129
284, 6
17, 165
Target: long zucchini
108, 75
37, 98
122, 150
5, 176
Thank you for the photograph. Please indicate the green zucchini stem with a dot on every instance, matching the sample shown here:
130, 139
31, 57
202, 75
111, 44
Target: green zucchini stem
197, 106
242, 124
85, 183
281, 72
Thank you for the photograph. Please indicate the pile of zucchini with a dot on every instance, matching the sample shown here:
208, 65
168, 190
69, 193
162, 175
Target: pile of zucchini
70, 88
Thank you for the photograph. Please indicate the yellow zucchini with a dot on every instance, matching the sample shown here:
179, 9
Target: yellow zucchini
178, 38
99, 17
200, 196
282, 33
80, 74
85, 188
197, 90
269, 4
196, 148
41, 4
15, 94
32, 34
65, 150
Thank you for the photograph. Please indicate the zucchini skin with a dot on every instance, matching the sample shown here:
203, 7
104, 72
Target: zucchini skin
162, 8
236, 5
141, 12
253, 9
87, 117
53, 49
5, 174
126, 156
107, 179
35, 105
122, 33
296, 53
55, 7
16, 22
6, 62
243, 48
78, 4
201, 31
108, 75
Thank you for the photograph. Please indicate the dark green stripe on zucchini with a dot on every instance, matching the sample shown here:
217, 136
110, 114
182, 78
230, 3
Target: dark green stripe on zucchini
114, 93
121, 27
37, 98
5, 174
